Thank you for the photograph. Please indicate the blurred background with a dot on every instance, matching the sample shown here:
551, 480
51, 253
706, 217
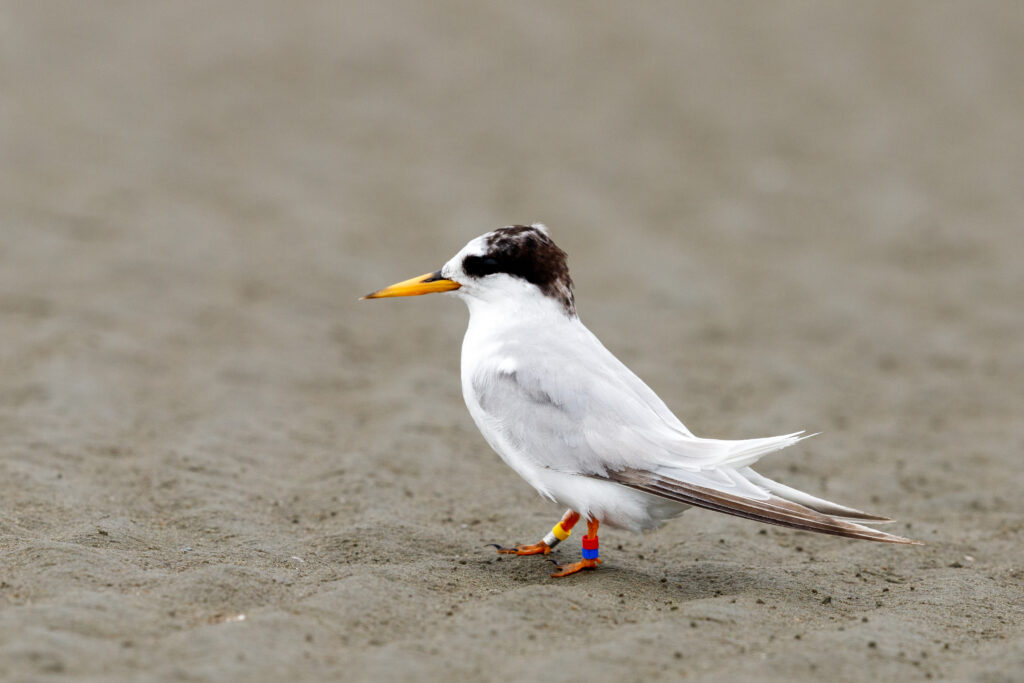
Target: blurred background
782, 215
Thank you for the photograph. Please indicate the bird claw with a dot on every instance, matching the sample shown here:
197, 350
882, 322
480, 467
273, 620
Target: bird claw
502, 550
568, 569
541, 548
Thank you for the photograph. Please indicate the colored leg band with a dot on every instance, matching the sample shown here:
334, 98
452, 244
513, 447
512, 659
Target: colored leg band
558, 532
590, 553
556, 535
590, 543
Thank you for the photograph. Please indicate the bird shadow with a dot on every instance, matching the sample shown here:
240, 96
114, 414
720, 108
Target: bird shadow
687, 583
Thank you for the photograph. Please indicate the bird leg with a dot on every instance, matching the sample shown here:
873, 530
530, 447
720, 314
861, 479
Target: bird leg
558, 533
590, 553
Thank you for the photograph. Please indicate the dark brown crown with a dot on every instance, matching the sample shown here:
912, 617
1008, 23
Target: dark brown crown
526, 252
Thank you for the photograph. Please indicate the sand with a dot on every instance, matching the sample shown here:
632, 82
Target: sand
217, 464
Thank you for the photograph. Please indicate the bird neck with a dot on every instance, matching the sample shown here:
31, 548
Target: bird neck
497, 315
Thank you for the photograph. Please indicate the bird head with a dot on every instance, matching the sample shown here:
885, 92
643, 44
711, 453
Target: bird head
515, 262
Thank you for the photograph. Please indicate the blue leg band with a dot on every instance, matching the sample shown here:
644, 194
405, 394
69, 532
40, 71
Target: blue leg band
590, 554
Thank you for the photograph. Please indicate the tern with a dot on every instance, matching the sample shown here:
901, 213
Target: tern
579, 426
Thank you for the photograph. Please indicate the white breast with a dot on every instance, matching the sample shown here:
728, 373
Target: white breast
484, 354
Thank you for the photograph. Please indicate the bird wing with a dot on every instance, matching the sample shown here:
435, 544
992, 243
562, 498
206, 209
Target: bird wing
563, 405
569, 405
771, 510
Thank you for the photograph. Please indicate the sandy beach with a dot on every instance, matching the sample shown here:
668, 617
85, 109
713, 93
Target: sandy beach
216, 464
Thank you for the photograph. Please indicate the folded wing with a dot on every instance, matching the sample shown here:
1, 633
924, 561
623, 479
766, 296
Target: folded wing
585, 413
771, 510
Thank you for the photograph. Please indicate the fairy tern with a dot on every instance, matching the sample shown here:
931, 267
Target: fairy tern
579, 426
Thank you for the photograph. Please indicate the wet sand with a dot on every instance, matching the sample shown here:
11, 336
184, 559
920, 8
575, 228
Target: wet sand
216, 464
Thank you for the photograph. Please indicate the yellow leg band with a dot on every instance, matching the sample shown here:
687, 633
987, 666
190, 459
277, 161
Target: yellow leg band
560, 533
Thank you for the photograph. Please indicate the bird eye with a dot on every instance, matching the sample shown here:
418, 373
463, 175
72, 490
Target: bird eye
479, 266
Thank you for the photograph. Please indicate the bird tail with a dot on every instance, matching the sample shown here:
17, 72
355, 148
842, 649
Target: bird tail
746, 452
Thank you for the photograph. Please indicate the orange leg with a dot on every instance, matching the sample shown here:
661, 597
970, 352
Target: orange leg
590, 559
559, 533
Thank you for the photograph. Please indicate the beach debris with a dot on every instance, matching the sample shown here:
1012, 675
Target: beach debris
221, 618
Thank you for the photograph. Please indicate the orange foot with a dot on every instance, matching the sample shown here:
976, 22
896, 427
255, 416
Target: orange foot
567, 569
541, 548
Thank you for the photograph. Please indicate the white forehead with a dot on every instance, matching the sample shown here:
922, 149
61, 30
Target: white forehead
476, 246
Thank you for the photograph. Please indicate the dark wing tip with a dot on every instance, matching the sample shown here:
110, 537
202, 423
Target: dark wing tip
773, 510
865, 517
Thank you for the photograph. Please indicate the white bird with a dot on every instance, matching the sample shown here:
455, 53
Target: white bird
579, 426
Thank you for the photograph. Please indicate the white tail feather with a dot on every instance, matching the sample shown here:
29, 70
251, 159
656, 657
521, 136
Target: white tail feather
747, 452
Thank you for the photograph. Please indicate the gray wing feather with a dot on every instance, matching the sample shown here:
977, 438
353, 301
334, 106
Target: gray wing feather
595, 416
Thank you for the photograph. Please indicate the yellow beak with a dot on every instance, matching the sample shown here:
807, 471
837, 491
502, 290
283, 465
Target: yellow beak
424, 284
